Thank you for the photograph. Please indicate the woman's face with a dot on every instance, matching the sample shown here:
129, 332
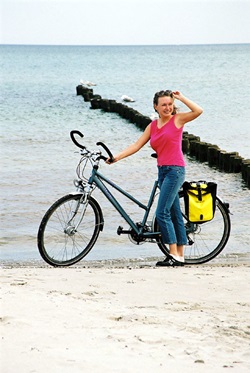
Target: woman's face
165, 106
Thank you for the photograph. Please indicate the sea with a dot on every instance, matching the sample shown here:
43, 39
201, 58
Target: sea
39, 107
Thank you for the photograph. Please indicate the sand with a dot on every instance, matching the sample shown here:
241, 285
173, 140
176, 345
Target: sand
125, 318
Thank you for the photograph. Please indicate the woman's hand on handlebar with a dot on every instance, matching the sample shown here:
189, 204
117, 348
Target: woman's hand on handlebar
111, 160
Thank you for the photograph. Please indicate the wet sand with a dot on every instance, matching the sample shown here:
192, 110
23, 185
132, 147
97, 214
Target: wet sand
125, 317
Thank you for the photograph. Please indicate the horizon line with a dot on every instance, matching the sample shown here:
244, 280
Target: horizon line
120, 45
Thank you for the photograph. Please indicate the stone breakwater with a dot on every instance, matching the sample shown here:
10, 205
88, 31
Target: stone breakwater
191, 144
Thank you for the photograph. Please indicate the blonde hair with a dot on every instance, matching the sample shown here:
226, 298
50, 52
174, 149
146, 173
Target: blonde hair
167, 93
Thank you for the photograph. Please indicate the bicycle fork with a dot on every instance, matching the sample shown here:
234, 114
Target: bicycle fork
71, 228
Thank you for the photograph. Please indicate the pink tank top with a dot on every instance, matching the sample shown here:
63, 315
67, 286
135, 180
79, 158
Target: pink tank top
167, 143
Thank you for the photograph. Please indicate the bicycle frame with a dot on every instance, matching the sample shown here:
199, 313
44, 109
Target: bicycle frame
97, 178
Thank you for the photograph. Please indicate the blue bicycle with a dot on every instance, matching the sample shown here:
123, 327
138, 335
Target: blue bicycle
71, 226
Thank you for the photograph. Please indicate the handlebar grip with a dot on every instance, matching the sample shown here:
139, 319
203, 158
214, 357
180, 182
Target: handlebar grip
72, 135
107, 150
102, 157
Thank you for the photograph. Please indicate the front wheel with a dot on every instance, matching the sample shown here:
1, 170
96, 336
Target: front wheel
69, 229
206, 240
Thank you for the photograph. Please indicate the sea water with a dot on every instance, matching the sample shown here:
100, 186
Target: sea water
39, 108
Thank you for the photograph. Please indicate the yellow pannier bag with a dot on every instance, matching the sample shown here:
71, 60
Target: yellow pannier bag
199, 200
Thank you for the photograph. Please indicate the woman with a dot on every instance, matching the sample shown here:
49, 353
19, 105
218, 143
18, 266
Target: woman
165, 135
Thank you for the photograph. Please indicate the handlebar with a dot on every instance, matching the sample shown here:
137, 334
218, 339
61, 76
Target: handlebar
76, 132
111, 157
72, 135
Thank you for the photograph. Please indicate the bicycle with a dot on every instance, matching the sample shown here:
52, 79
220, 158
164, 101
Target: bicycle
71, 226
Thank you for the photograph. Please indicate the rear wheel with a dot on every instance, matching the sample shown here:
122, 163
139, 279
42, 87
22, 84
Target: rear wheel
206, 240
69, 229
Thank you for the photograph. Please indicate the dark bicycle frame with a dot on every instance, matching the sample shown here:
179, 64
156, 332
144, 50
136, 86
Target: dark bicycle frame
97, 179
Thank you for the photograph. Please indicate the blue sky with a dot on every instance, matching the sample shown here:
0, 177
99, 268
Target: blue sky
124, 22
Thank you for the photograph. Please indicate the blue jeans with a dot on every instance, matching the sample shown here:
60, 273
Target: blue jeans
168, 212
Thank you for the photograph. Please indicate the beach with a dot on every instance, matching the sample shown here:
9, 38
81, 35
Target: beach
113, 313
125, 317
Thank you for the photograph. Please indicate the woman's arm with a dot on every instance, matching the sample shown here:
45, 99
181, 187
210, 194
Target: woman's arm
133, 148
196, 110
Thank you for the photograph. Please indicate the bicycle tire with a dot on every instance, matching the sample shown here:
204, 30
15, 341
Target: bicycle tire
58, 242
206, 240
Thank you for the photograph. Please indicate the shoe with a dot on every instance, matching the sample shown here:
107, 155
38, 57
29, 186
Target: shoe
170, 262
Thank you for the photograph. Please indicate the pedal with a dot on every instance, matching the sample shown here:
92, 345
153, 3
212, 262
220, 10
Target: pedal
190, 242
119, 230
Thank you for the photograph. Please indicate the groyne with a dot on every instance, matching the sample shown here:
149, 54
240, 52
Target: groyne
230, 162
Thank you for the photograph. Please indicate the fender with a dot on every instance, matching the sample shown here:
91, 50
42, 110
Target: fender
226, 204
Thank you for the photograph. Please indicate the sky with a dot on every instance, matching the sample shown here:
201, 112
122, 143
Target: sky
124, 22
